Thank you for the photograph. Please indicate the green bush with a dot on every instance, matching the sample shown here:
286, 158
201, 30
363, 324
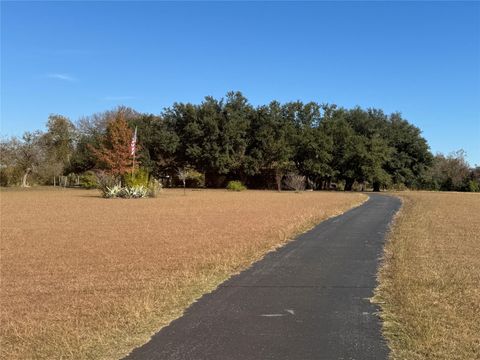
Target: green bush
138, 178
399, 187
9, 176
473, 186
195, 179
154, 187
88, 180
236, 186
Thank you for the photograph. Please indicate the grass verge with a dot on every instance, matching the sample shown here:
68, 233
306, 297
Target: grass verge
429, 283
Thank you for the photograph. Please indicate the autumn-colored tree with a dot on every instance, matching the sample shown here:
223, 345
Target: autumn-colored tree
114, 155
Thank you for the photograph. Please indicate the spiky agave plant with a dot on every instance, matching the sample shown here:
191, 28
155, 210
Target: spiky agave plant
134, 192
112, 192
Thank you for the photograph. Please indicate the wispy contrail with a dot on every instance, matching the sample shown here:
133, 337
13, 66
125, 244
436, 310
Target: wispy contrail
64, 77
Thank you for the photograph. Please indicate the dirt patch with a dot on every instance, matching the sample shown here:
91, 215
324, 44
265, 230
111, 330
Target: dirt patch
84, 277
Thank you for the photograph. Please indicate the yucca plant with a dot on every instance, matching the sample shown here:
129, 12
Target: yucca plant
112, 192
134, 192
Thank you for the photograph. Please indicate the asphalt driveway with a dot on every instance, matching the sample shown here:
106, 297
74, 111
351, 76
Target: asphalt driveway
308, 300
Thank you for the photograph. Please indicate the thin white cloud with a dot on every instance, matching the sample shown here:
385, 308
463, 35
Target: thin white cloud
64, 77
118, 98
71, 52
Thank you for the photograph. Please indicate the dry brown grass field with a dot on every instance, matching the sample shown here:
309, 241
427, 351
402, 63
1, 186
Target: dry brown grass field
89, 278
430, 281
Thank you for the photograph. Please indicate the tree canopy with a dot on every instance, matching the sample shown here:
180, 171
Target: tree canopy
230, 139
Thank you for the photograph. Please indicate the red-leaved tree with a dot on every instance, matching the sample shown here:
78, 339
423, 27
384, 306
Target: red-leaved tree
114, 155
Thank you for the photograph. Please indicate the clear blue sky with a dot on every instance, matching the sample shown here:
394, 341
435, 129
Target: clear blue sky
419, 58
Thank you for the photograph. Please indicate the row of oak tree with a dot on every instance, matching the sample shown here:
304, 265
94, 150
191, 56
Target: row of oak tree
229, 139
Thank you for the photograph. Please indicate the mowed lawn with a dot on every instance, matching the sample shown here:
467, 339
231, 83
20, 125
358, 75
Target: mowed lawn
430, 282
89, 278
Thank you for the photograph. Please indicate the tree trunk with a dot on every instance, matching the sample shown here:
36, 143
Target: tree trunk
278, 179
348, 184
24, 178
376, 186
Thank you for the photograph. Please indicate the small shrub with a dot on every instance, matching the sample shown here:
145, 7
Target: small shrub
473, 186
111, 188
295, 182
112, 192
399, 187
134, 192
340, 185
89, 180
195, 179
106, 183
236, 186
9, 175
138, 178
356, 186
128, 192
154, 188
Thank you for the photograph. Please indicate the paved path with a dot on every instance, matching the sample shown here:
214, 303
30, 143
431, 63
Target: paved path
308, 300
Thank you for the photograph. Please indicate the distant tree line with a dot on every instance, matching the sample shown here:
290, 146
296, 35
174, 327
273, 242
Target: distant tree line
229, 139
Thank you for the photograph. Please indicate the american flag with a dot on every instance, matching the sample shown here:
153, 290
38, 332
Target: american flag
133, 144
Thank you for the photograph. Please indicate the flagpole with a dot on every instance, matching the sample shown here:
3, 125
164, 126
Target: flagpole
133, 164
133, 147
